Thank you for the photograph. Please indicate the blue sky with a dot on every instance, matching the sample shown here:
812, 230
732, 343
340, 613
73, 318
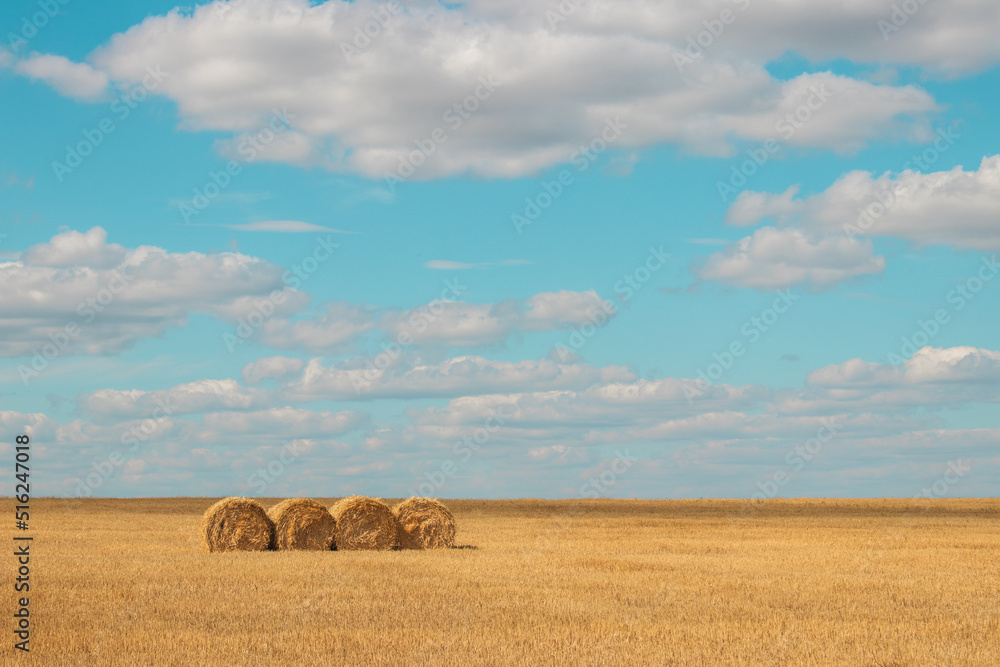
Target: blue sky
826, 327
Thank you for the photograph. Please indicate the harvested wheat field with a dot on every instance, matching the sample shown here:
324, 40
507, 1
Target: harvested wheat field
125, 582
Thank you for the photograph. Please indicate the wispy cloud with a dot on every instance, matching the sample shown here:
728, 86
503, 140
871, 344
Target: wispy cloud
284, 226
77, 80
448, 265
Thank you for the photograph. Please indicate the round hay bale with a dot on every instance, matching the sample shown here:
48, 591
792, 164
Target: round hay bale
301, 523
365, 524
425, 523
236, 524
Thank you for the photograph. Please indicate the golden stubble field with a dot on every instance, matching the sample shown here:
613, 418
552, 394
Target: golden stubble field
604, 582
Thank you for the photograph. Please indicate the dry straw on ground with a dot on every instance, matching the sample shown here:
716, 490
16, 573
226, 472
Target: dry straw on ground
425, 523
236, 524
365, 524
301, 523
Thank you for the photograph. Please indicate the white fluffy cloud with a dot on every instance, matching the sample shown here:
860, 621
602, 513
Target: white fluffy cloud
775, 258
928, 365
453, 323
273, 368
218, 453
876, 417
458, 376
956, 207
194, 397
543, 91
946, 38
281, 422
338, 327
115, 296
470, 324
611, 403
73, 248
930, 378
560, 310
77, 80
333, 331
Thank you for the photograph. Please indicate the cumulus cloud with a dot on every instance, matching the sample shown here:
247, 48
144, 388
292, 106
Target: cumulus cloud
930, 378
775, 258
564, 309
194, 397
116, 296
928, 365
552, 417
217, 453
284, 422
946, 39
539, 92
956, 207
73, 248
458, 376
334, 330
469, 324
77, 80
271, 368
613, 402
453, 323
